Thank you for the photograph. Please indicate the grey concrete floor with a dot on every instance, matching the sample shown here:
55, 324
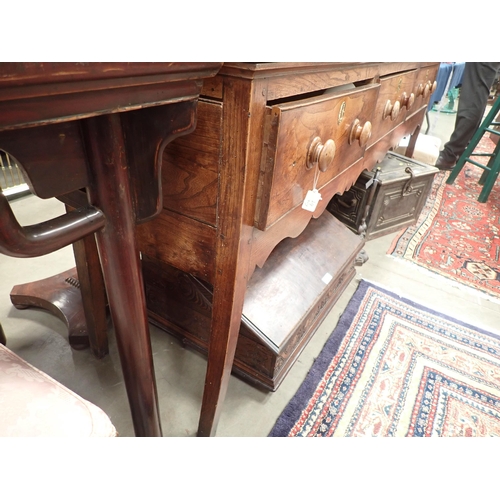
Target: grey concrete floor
41, 338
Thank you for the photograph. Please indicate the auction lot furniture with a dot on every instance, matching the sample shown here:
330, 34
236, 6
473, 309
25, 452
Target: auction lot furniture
101, 127
274, 143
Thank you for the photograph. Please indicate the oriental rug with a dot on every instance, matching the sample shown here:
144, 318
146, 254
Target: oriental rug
456, 236
395, 368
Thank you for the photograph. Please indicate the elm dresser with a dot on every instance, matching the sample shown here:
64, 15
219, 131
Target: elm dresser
243, 262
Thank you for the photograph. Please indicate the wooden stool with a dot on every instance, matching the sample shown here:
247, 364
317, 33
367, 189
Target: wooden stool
492, 168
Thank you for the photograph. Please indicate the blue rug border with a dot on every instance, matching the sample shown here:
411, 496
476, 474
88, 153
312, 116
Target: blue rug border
295, 406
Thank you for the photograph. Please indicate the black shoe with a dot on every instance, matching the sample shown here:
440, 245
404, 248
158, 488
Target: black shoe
444, 164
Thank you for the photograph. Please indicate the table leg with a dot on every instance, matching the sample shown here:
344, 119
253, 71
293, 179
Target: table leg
94, 301
110, 192
227, 308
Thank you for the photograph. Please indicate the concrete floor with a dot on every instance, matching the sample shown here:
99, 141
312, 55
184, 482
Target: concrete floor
41, 338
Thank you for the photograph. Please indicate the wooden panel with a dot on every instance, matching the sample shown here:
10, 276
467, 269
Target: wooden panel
390, 110
179, 241
191, 166
152, 129
422, 88
281, 294
40, 93
289, 132
24, 79
212, 87
291, 79
49, 152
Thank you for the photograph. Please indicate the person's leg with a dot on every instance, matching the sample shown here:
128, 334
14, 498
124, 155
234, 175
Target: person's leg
477, 80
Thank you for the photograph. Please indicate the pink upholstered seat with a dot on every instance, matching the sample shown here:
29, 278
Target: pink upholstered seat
34, 404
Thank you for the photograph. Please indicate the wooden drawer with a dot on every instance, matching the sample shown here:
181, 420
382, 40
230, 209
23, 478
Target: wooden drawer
310, 139
424, 85
395, 98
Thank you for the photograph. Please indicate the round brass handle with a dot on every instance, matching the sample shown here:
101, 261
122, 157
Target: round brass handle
407, 101
321, 154
427, 89
391, 110
360, 133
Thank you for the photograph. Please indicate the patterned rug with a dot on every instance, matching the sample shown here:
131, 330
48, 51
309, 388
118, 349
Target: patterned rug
456, 236
394, 368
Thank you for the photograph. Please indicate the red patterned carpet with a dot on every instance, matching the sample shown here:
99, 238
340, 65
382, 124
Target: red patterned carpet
394, 368
456, 236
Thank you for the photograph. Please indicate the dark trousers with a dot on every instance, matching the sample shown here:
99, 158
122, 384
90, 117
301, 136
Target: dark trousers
477, 81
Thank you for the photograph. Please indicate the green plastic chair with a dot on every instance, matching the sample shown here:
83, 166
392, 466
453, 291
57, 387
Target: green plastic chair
492, 168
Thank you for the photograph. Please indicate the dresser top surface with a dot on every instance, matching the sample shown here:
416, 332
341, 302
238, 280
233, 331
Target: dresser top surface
266, 69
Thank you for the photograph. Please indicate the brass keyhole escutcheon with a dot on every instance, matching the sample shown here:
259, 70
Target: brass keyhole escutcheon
321, 155
341, 113
400, 82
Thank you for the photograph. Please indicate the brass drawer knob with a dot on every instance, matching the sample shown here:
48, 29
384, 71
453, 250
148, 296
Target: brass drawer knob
320, 154
391, 110
407, 101
429, 88
426, 89
360, 133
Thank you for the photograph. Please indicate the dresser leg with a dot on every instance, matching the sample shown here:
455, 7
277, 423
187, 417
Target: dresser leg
221, 351
230, 285
120, 262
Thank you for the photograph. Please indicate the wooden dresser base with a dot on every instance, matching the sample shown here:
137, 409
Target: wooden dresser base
285, 302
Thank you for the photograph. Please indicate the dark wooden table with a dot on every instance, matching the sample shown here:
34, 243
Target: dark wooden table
101, 128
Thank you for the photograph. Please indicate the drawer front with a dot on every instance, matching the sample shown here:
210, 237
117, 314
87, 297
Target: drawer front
425, 84
395, 99
309, 142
